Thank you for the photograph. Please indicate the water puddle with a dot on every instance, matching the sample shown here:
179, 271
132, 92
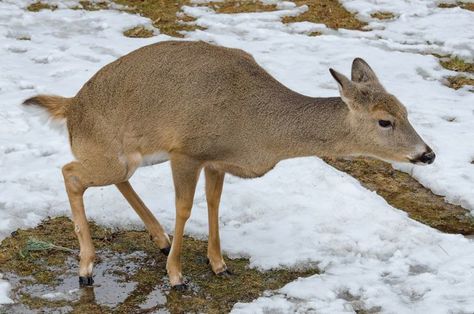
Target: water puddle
112, 286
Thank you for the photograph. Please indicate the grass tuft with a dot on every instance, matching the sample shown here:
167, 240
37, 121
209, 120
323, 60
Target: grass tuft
166, 15
38, 6
92, 6
138, 32
463, 5
328, 12
241, 6
460, 81
316, 33
457, 64
381, 15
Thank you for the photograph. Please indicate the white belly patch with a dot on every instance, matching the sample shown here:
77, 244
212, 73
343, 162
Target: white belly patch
153, 159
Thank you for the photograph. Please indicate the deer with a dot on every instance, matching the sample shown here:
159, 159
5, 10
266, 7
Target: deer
209, 108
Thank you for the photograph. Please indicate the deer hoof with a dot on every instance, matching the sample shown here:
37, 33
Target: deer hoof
166, 250
181, 287
225, 273
85, 281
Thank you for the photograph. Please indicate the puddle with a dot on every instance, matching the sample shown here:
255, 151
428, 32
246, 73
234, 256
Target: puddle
155, 297
112, 277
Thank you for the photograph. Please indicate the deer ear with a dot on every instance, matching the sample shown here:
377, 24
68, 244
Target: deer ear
362, 72
341, 79
346, 87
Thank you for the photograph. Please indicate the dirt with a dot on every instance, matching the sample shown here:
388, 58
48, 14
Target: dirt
130, 275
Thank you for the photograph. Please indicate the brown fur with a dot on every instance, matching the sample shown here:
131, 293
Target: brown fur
211, 107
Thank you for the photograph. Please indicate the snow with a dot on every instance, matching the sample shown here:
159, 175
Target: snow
4, 289
303, 213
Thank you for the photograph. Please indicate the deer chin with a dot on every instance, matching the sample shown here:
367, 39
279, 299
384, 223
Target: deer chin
417, 162
402, 159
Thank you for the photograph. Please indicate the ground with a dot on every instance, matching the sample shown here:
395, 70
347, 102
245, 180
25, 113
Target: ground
351, 251
129, 269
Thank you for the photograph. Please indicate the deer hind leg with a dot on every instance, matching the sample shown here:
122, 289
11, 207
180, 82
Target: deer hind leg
214, 184
185, 176
77, 178
155, 229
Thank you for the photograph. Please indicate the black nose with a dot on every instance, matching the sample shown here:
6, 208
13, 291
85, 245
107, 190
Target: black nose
428, 157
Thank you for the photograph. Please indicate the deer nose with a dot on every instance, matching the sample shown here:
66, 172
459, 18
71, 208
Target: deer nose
427, 157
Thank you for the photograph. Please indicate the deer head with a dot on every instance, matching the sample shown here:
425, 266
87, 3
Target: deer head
378, 120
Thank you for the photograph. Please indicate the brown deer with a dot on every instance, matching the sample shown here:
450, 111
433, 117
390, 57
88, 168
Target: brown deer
207, 107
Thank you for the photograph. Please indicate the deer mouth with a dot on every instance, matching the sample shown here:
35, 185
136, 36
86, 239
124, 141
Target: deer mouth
427, 158
417, 162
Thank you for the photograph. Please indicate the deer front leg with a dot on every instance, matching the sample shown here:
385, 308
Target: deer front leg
214, 184
185, 176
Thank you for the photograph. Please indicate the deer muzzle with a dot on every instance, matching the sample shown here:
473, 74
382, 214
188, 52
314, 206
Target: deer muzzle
426, 158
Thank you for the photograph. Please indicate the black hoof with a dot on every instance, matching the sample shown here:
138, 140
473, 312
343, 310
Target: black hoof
181, 287
225, 274
166, 250
85, 281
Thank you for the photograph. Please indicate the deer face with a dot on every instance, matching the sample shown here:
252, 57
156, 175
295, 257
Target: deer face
378, 122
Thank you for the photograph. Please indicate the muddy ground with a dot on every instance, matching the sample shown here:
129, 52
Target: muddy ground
130, 272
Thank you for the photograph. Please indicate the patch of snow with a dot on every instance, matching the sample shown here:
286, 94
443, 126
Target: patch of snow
4, 290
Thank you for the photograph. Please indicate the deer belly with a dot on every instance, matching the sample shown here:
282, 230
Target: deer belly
155, 158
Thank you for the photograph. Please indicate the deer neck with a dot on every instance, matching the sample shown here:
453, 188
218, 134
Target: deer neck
312, 127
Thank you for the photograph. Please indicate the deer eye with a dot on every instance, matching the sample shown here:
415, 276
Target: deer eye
385, 123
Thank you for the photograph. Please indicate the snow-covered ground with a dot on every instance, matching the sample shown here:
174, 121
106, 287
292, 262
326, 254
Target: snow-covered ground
302, 213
